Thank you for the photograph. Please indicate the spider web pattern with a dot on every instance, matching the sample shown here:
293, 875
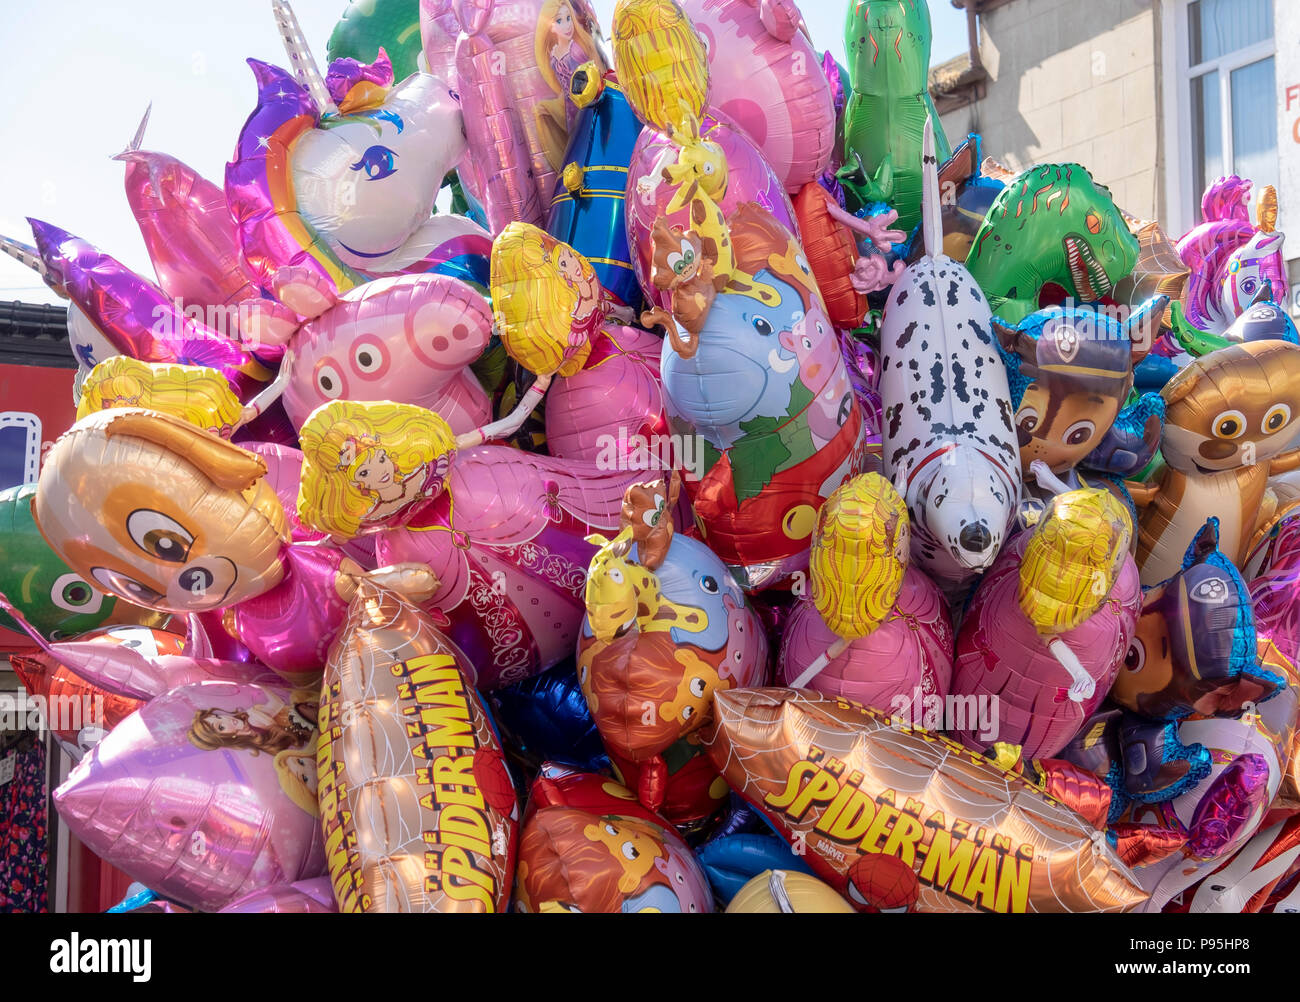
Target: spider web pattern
762, 733
382, 817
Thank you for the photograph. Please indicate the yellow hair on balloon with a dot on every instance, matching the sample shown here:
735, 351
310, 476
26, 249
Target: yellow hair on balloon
1073, 559
359, 457
859, 555
544, 294
661, 62
192, 393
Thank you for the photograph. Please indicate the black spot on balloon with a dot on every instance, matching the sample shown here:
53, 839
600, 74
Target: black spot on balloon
905, 338
959, 382
936, 382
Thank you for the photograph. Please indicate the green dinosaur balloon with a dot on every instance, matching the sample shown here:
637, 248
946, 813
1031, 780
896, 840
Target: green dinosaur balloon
888, 46
368, 24
57, 602
1053, 224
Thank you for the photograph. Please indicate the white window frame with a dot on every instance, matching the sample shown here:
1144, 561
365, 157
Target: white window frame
32, 424
1182, 204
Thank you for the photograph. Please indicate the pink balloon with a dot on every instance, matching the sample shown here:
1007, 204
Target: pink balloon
907, 657
204, 794
507, 542
408, 339
284, 473
187, 230
302, 897
766, 76
1001, 658
616, 402
750, 178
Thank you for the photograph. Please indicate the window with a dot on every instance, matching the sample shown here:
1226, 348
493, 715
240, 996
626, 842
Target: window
20, 448
1225, 72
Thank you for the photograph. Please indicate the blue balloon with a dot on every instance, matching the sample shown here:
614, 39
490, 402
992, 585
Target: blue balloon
548, 720
731, 861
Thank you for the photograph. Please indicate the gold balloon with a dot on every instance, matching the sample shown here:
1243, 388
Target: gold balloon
417, 804
1073, 558
193, 393
859, 555
661, 62
788, 891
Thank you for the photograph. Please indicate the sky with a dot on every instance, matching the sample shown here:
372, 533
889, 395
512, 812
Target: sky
78, 74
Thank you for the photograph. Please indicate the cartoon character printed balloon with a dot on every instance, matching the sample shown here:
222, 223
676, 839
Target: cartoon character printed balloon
1048, 627
876, 629
1052, 224
764, 389
162, 514
1230, 423
587, 846
339, 174
666, 627
761, 76
417, 805
948, 438
895, 817
502, 530
230, 805
515, 61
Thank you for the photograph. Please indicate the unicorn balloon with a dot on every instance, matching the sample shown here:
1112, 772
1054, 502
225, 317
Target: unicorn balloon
339, 174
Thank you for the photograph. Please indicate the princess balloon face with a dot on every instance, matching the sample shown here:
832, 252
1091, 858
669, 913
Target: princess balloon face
161, 514
366, 181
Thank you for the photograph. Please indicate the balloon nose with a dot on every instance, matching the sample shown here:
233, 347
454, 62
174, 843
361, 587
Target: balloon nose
975, 537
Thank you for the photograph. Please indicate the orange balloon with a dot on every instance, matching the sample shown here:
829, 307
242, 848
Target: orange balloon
832, 252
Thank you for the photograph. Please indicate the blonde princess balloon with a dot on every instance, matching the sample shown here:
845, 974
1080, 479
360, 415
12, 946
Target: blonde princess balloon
564, 41
367, 466
196, 394
661, 62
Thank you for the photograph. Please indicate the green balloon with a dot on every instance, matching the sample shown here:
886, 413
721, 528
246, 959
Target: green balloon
1053, 224
368, 24
56, 601
888, 47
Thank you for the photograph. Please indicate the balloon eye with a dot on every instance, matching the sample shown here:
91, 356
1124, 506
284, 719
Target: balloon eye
159, 536
610, 829
329, 382
367, 359
1136, 657
698, 688
1094, 223
763, 326
1277, 418
688, 712
124, 585
1079, 432
630, 851
616, 575
377, 163
72, 593
1028, 419
709, 584
1229, 424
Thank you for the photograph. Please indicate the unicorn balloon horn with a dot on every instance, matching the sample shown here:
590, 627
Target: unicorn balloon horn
138, 139
28, 255
300, 57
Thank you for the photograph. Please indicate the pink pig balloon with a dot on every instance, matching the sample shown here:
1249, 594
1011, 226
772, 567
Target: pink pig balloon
750, 178
765, 75
1000, 656
205, 793
188, 231
606, 411
906, 658
408, 339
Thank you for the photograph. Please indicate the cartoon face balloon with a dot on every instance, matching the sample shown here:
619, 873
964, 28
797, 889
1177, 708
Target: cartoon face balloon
160, 514
230, 801
587, 846
56, 600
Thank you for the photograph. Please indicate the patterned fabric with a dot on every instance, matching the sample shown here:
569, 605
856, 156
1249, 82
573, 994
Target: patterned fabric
24, 853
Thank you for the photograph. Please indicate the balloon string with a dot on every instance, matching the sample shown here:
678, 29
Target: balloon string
813, 670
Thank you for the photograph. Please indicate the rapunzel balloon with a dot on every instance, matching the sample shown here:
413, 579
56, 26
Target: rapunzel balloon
662, 62
502, 530
763, 75
339, 174
206, 793
875, 629
515, 60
